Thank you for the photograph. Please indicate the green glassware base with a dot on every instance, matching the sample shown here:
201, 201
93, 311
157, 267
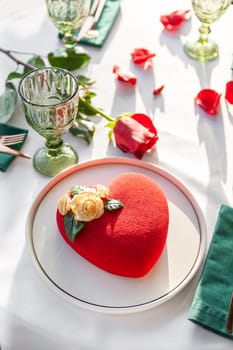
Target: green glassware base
200, 51
69, 52
51, 164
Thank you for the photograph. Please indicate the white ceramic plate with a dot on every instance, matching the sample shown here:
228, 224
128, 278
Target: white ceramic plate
78, 280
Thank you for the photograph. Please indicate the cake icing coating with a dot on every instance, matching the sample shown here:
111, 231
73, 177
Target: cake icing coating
129, 241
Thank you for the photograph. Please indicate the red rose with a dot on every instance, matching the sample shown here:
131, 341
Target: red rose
135, 134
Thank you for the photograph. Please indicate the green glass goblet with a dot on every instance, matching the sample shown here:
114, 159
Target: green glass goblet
49, 99
68, 16
207, 11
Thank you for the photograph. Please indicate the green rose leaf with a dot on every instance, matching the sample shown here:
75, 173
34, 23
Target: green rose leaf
14, 75
8, 102
113, 204
110, 135
36, 61
84, 129
72, 226
110, 126
85, 81
70, 60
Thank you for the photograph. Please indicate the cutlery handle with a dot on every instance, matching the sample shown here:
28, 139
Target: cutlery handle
13, 152
86, 26
91, 20
99, 10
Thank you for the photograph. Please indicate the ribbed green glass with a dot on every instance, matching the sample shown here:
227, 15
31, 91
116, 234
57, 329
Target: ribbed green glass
68, 16
49, 98
207, 11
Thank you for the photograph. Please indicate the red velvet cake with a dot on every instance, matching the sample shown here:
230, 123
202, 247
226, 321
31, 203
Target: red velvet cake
127, 241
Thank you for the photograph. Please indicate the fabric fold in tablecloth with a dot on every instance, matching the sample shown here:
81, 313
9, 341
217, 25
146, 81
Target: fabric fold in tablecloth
212, 306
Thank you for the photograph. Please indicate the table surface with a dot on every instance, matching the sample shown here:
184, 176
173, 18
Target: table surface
195, 147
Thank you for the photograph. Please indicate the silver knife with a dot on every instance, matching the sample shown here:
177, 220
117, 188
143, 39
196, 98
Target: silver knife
95, 13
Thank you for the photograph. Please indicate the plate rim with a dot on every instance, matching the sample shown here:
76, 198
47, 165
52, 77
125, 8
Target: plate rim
122, 161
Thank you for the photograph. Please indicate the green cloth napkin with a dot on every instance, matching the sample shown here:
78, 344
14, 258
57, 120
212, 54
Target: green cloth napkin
212, 305
6, 159
105, 23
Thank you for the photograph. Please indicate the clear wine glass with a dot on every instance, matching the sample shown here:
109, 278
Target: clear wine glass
49, 99
207, 11
68, 16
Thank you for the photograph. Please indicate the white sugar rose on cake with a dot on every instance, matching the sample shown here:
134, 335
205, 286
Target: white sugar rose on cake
121, 229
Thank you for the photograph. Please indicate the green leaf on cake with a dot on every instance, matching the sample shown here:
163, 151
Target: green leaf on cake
113, 204
77, 189
72, 226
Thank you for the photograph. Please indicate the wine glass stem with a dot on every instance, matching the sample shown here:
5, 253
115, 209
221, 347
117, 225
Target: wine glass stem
54, 143
204, 31
70, 41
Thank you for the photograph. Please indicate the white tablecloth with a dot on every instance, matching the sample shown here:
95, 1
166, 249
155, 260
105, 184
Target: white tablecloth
195, 147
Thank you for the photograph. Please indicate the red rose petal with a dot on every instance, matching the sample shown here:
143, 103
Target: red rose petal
229, 92
147, 122
209, 100
158, 90
124, 76
175, 19
136, 134
141, 56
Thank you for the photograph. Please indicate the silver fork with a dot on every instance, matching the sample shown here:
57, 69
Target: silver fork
8, 140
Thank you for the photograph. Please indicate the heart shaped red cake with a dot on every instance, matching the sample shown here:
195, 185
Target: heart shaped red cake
127, 241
